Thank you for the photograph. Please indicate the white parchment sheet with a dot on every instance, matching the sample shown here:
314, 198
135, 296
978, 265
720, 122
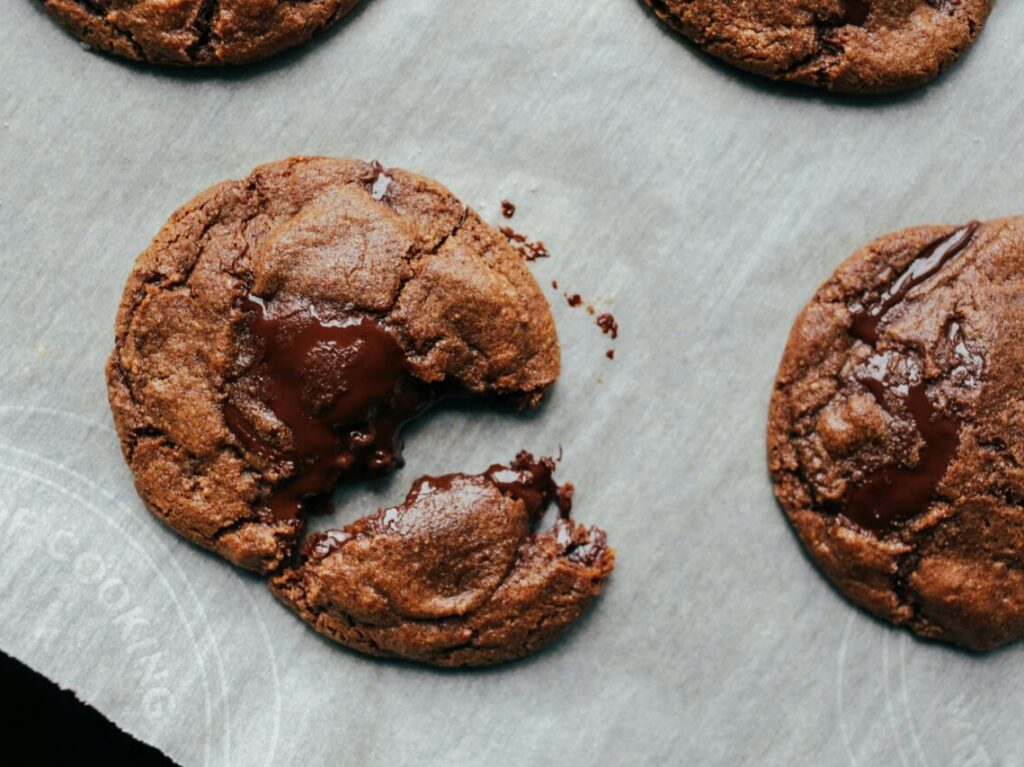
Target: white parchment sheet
700, 205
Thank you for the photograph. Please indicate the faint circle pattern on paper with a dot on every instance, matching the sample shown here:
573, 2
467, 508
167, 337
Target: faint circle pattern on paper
905, 701
96, 587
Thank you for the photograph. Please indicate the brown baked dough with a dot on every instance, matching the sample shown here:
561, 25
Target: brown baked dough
341, 237
896, 430
453, 576
196, 32
856, 46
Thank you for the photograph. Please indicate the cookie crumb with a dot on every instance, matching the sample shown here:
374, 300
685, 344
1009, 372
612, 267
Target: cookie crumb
605, 321
608, 325
530, 251
554, 284
508, 209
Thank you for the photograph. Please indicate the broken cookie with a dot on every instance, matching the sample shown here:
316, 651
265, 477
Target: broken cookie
454, 576
280, 330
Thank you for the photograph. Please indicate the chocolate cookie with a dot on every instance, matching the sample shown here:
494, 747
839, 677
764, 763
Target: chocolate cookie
196, 32
896, 431
857, 46
453, 576
280, 330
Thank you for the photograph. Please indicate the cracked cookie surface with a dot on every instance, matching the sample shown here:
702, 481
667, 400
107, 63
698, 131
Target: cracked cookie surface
855, 46
454, 576
386, 284
196, 32
896, 430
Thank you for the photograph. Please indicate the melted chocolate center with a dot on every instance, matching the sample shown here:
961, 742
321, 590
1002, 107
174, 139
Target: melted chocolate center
341, 386
526, 479
895, 493
899, 492
856, 11
532, 482
867, 319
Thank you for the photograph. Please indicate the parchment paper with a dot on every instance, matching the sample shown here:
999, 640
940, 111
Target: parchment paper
700, 205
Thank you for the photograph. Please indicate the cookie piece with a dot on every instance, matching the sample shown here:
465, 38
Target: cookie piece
453, 576
855, 46
279, 330
896, 430
196, 32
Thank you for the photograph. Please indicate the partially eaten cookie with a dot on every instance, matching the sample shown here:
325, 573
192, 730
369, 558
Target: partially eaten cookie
280, 330
272, 342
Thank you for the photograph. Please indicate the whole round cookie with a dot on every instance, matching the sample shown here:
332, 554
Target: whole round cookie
856, 46
896, 430
280, 330
196, 32
453, 576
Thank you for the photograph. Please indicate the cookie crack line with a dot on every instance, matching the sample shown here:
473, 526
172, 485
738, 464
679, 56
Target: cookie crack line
906, 596
205, 21
407, 278
853, 13
90, 6
164, 283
